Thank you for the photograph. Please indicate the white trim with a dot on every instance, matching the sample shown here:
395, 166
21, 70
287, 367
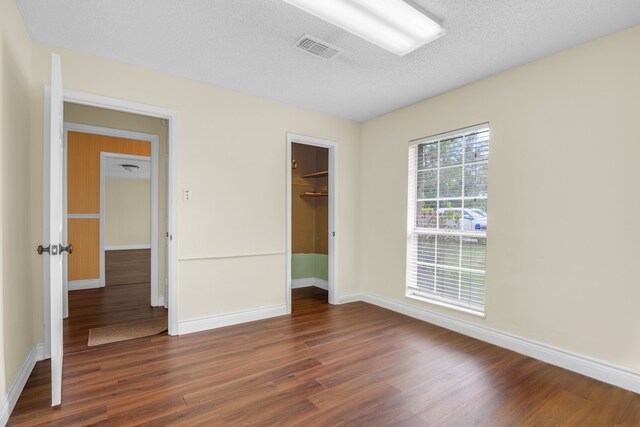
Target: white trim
80, 285
92, 100
154, 213
46, 288
333, 202
104, 131
349, 297
11, 398
212, 257
308, 282
126, 248
161, 301
65, 220
575, 362
457, 132
221, 320
432, 299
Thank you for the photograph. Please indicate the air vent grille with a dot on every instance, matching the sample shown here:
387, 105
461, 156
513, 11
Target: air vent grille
317, 47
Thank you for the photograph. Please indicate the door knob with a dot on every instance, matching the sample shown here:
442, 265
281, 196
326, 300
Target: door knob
41, 249
68, 248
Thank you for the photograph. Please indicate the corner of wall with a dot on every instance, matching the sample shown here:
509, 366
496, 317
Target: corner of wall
16, 298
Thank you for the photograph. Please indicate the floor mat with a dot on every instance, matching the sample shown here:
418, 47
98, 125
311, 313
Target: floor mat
127, 331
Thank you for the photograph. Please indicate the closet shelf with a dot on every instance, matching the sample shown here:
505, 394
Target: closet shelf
314, 194
316, 174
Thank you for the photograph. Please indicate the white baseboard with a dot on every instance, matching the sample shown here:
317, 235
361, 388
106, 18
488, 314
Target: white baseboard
160, 301
78, 285
228, 319
126, 247
9, 401
309, 281
575, 362
348, 297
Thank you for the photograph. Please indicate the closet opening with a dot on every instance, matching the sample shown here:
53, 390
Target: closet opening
311, 248
310, 221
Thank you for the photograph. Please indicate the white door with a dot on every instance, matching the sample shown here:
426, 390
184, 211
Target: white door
56, 248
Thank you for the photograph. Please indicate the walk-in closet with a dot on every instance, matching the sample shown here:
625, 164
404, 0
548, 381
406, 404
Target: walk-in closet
309, 204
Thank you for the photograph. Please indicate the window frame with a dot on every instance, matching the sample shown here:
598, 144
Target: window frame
414, 230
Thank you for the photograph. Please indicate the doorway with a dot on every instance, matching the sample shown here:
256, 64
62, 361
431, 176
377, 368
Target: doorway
52, 279
311, 218
113, 197
129, 216
170, 283
88, 150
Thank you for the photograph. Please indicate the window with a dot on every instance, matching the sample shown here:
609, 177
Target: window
447, 224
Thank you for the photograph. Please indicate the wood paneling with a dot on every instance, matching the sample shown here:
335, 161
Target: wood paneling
83, 167
324, 365
83, 195
127, 266
84, 235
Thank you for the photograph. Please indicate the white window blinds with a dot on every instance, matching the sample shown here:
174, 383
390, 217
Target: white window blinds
447, 223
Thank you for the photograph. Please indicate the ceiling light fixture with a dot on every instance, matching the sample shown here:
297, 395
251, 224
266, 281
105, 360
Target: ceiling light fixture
130, 168
391, 24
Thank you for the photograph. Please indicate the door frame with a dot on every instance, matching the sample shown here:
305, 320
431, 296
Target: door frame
333, 200
155, 300
173, 194
118, 133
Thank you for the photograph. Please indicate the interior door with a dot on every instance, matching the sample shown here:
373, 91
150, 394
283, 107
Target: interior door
56, 249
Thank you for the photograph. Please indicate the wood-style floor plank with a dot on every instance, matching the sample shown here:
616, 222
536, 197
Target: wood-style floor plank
353, 364
123, 267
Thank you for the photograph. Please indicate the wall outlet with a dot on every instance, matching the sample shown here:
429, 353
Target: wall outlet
187, 195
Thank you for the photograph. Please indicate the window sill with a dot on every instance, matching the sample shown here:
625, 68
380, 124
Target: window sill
446, 305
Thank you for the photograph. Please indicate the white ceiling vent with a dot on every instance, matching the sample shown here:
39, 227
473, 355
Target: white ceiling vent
317, 47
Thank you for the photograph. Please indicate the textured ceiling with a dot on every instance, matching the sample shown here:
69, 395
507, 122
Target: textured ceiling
246, 45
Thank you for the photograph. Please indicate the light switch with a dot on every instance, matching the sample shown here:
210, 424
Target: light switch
187, 195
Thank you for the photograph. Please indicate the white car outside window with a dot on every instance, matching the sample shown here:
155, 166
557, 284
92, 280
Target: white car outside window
473, 220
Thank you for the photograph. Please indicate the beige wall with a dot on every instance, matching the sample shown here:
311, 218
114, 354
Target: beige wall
17, 254
563, 157
562, 247
232, 156
128, 212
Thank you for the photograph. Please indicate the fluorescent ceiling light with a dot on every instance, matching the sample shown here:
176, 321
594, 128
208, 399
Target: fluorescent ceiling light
391, 24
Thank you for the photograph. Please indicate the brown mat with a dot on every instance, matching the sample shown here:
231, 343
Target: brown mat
127, 331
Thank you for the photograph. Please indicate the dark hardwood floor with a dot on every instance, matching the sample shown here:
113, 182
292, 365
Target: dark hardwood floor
353, 364
123, 267
113, 304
